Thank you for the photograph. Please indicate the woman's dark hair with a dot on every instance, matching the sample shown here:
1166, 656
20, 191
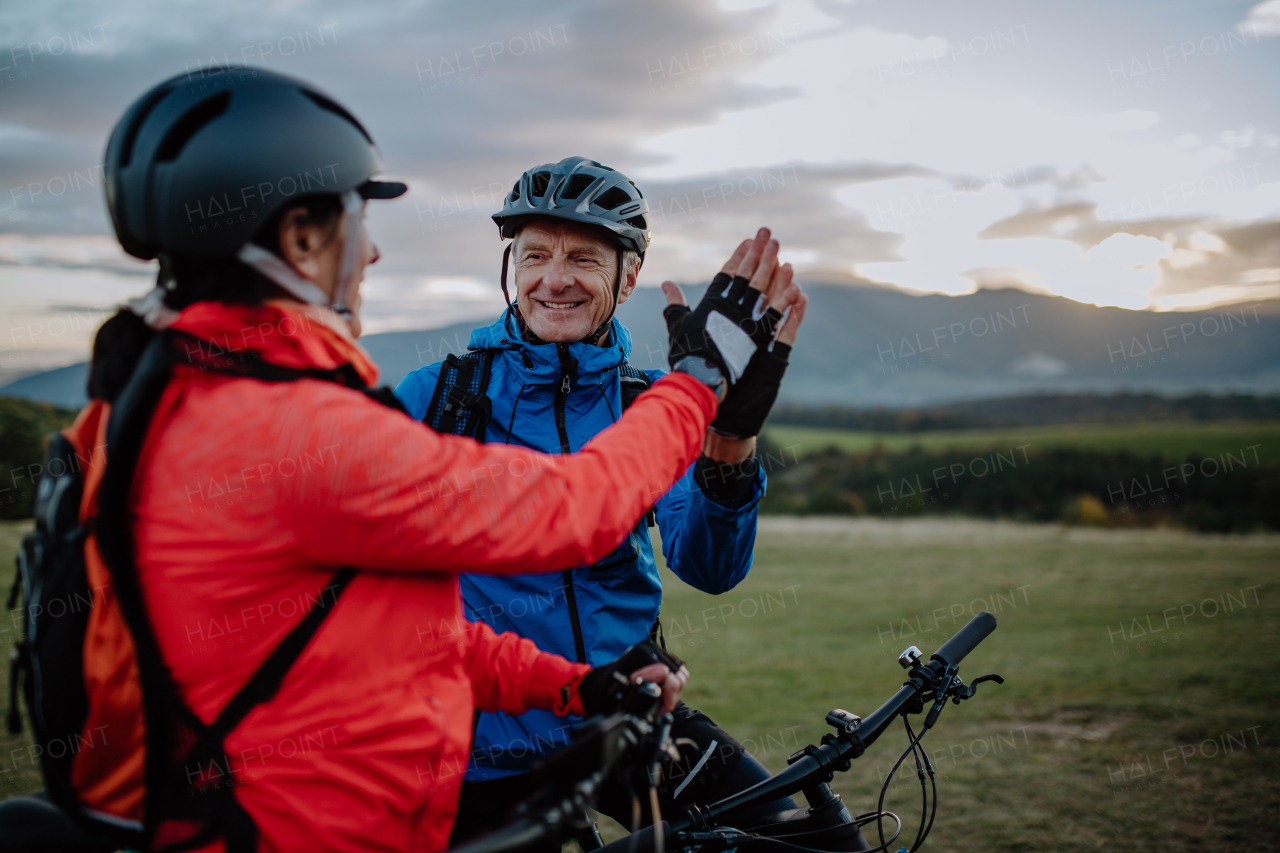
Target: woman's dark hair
188, 279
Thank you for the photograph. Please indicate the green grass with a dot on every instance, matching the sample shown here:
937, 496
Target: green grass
17, 774
1030, 765
1175, 439
1024, 766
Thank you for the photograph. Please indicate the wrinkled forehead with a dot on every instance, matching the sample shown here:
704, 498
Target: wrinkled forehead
563, 236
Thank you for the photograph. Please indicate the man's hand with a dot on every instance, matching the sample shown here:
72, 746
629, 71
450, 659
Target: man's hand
735, 317
743, 411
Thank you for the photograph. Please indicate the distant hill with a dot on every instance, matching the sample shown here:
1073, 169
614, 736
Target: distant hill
1034, 410
866, 347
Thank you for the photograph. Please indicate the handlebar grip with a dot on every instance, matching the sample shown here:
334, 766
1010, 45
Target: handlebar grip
966, 639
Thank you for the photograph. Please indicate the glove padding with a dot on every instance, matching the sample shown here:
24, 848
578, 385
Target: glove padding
725, 329
745, 407
602, 688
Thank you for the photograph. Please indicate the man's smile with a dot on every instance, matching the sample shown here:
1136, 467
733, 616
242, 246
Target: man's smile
560, 306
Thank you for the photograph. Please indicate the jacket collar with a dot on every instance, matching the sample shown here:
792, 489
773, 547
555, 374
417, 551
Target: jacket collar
592, 361
287, 333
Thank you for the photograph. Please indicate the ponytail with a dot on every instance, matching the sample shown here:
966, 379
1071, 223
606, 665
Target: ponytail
116, 350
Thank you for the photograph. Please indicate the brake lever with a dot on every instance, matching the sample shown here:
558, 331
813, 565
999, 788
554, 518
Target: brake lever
946, 686
971, 690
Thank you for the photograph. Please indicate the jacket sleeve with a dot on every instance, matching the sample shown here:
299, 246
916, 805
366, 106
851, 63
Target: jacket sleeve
508, 673
416, 389
374, 489
707, 545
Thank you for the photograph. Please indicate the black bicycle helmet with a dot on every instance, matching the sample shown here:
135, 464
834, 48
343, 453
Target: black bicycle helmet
579, 190
199, 163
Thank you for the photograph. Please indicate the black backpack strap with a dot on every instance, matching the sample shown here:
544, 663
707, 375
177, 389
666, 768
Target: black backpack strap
655, 633
168, 795
189, 350
130, 417
264, 683
634, 383
459, 404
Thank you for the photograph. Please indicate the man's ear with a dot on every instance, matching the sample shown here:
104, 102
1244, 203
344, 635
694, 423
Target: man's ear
629, 282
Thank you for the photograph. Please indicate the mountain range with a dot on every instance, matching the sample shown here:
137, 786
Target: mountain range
864, 346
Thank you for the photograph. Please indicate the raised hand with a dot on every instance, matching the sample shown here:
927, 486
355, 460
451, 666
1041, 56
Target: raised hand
747, 404
736, 315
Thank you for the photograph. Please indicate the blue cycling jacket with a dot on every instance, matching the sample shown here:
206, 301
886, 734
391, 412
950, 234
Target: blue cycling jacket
591, 613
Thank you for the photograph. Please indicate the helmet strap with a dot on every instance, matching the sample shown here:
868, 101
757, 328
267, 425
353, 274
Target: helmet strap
353, 206
275, 268
151, 308
506, 257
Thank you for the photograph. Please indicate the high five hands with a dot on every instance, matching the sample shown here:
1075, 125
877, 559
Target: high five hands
736, 327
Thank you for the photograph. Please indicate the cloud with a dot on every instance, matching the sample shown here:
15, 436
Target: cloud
1263, 20
1208, 261
933, 146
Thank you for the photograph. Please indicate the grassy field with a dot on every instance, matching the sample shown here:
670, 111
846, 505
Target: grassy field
1140, 675
1174, 439
1045, 762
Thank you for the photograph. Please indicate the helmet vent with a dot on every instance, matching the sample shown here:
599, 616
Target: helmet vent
191, 122
131, 136
325, 104
577, 184
538, 184
615, 197
515, 192
638, 222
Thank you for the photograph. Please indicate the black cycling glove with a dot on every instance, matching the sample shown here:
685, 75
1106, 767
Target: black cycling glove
745, 407
725, 329
602, 688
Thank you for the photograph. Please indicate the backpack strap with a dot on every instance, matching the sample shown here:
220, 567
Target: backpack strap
177, 816
459, 405
634, 383
191, 351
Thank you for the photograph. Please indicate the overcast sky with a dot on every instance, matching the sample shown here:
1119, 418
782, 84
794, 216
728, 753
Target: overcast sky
1117, 153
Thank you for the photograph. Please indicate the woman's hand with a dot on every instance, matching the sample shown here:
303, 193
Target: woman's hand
671, 681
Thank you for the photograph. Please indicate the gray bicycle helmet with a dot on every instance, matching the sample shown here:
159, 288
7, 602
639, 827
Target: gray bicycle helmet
200, 162
579, 190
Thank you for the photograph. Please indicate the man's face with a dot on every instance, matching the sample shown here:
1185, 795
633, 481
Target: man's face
564, 274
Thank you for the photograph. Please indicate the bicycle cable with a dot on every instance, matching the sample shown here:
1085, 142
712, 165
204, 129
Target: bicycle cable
884, 789
924, 792
933, 784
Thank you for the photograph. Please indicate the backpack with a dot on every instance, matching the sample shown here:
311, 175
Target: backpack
182, 809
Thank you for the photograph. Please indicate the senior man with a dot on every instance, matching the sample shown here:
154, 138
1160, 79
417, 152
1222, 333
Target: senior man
550, 374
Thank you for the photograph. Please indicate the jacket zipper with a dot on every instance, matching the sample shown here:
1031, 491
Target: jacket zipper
562, 394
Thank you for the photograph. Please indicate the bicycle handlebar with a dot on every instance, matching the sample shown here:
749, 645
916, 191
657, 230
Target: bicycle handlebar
830, 756
814, 764
965, 640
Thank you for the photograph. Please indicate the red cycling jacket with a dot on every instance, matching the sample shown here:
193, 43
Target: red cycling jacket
250, 494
